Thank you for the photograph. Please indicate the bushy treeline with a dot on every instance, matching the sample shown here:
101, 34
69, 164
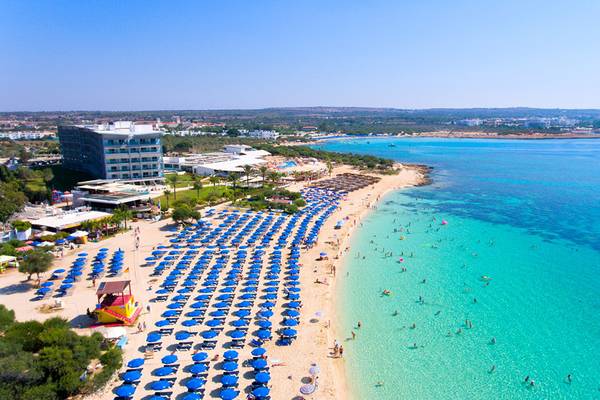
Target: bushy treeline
48, 361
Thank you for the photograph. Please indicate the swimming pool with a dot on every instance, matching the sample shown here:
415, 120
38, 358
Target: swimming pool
287, 164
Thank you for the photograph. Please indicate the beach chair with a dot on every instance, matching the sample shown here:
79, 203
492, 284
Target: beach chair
208, 344
184, 346
154, 346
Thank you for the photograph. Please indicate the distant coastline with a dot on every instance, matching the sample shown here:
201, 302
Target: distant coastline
454, 135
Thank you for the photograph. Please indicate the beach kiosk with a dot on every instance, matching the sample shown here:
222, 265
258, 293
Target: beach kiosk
116, 304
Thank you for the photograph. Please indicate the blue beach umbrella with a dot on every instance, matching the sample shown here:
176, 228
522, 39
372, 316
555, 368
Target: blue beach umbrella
125, 390
263, 334
292, 313
242, 313
228, 394
259, 351
169, 359
264, 324
192, 396
230, 366
261, 391
160, 385
239, 323
195, 313
231, 355
229, 380
163, 371
198, 369
209, 334
289, 332
195, 384
262, 377
259, 364
135, 363
182, 335
132, 376
200, 356
289, 322
265, 314
237, 334
153, 337
190, 322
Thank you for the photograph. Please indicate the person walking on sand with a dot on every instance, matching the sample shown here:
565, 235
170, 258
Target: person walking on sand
353, 335
341, 351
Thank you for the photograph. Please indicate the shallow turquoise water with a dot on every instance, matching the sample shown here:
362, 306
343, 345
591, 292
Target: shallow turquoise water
527, 215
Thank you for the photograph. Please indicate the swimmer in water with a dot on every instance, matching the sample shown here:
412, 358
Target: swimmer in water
395, 313
493, 341
526, 378
438, 313
413, 326
492, 369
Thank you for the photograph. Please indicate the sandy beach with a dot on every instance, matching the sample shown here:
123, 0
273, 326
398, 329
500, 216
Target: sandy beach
317, 325
316, 342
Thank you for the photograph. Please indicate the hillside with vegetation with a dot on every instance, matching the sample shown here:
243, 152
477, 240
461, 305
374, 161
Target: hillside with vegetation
49, 361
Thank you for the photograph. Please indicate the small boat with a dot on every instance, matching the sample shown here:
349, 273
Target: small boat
485, 278
391, 145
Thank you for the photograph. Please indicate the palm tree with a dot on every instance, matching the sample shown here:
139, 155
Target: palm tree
214, 180
329, 167
173, 180
263, 173
234, 179
274, 177
248, 170
197, 187
167, 192
122, 214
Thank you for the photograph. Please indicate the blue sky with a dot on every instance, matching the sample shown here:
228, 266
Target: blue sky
141, 55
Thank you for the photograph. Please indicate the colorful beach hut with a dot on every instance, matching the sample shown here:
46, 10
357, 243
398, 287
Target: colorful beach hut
116, 303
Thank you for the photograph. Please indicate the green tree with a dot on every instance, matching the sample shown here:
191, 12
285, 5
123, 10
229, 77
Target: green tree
248, 170
197, 187
47, 175
233, 179
167, 192
263, 173
122, 214
214, 179
12, 199
7, 318
36, 262
173, 180
274, 177
183, 213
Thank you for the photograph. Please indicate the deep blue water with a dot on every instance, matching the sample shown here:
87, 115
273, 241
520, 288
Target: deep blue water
550, 187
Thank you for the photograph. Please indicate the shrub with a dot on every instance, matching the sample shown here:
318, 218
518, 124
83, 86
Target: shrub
21, 225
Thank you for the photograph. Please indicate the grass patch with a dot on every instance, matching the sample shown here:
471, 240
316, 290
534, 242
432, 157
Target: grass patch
205, 195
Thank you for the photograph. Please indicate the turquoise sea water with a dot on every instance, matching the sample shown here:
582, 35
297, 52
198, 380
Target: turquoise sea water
525, 214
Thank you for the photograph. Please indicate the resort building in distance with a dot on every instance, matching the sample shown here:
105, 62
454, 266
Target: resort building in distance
120, 150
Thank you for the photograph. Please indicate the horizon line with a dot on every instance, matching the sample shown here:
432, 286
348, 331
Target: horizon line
300, 108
